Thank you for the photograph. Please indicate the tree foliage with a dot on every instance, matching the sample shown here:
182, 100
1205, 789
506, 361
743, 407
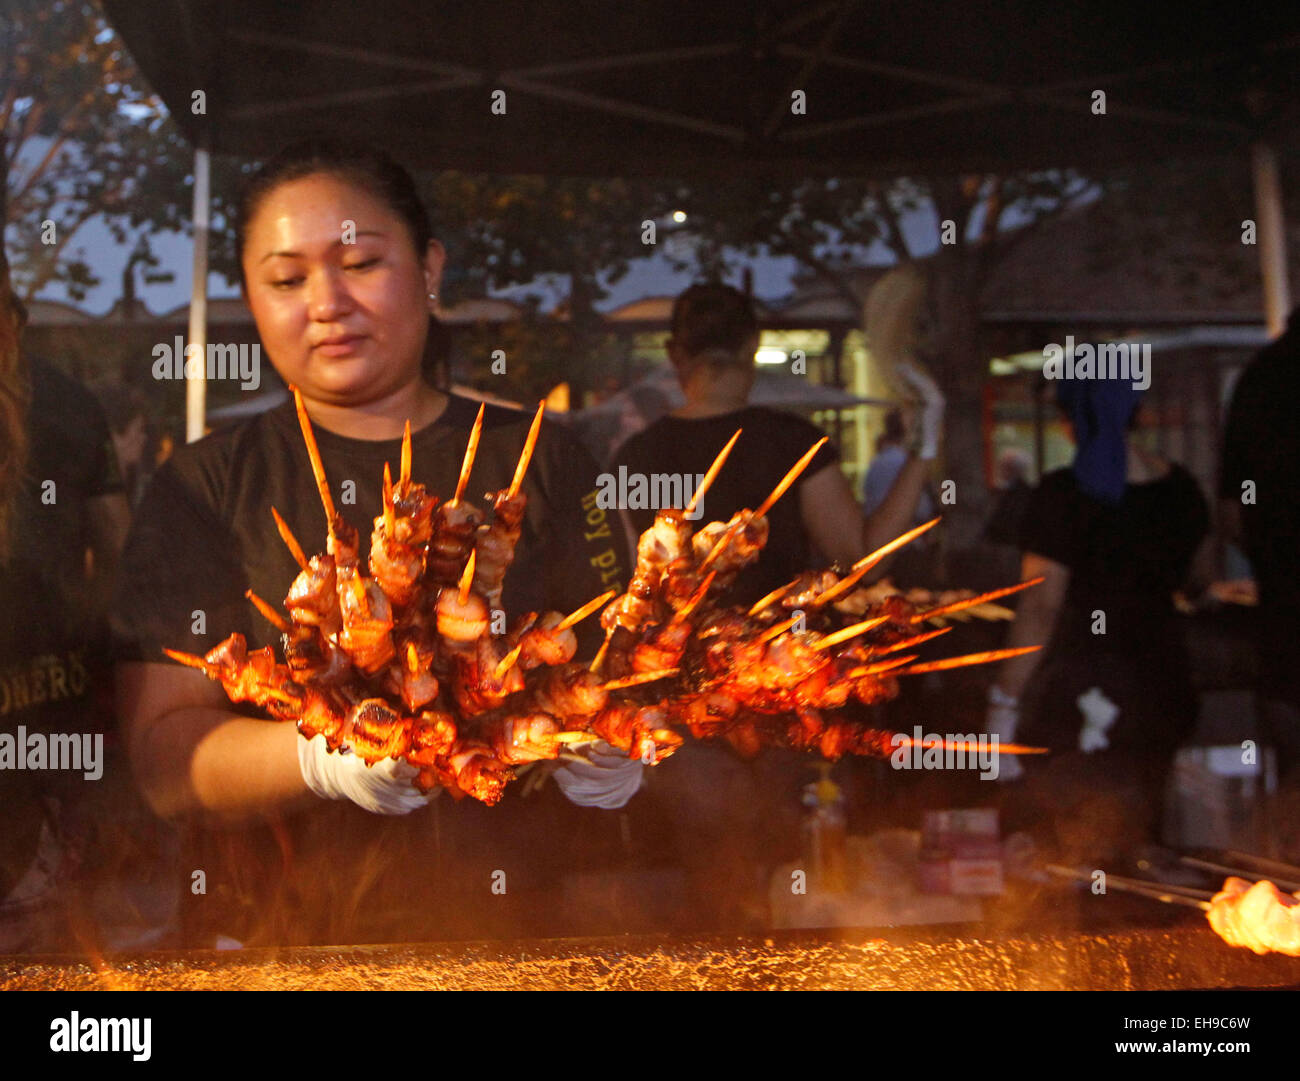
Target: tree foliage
85, 138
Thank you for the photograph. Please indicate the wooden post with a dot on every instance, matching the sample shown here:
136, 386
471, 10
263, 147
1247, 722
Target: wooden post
196, 388
1271, 228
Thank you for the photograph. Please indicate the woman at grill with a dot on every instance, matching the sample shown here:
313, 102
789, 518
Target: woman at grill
341, 273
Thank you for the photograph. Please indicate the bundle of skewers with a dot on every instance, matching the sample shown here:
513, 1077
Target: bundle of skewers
402, 663
1252, 909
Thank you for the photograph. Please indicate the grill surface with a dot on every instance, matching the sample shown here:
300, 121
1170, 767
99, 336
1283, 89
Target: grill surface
1164, 959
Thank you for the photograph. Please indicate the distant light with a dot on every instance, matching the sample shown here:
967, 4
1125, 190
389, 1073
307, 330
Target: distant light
769, 355
679, 216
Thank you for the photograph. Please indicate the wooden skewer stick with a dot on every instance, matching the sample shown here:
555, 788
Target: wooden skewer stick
1126, 885
791, 477
467, 578
697, 598
846, 633
772, 597
313, 455
1239, 872
404, 478
966, 745
639, 678
574, 737
600, 657
1275, 865
359, 592
272, 616
863, 565
721, 545
507, 662
470, 450
882, 666
526, 455
777, 629
390, 515
412, 659
711, 475
582, 613
291, 542
971, 602
908, 643
970, 658
192, 661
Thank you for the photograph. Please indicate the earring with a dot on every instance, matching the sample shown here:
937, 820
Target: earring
433, 296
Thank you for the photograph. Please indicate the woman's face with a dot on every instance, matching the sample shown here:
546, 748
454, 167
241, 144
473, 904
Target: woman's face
345, 322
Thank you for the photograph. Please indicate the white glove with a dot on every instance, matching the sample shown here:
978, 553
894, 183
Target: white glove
384, 788
607, 779
1099, 714
929, 425
1001, 720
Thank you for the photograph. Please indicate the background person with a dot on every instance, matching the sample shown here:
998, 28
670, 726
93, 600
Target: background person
1111, 693
730, 820
65, 519
1261, 448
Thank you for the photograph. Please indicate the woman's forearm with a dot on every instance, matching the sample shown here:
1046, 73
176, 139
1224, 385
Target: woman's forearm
207, 759
1032, 627
897, 513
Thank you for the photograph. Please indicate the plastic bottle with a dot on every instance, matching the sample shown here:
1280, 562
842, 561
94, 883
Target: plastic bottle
823, 832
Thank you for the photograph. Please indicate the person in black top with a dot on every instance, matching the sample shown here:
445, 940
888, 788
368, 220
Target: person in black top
343, 317
714, 338
54, 672
1261, 503
729, 818
1111, 693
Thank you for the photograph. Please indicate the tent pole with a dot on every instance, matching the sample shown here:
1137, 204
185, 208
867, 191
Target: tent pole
1272, 236
197, 343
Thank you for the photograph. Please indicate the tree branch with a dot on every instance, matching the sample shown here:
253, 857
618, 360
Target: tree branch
1005, 242
827, 273
893, 232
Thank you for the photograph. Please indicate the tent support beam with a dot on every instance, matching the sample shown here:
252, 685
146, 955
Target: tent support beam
1271, 236
196, 386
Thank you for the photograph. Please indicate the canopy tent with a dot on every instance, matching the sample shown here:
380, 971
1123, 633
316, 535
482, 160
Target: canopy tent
736, 87
667, 88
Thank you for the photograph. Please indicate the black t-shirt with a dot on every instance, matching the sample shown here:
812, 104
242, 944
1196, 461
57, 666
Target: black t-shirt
1126, 560
204, 534
1261, 444
770, 444
53, 670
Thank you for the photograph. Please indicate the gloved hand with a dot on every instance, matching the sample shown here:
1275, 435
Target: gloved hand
1001, 720
384, 788
608, 778
929, 423
1099, 714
